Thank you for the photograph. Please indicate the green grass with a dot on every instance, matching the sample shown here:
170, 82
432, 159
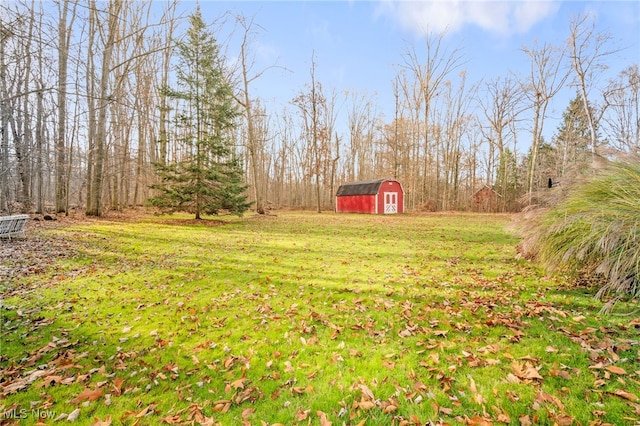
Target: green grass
303, 317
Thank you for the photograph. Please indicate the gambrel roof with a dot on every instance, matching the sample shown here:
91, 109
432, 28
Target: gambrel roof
365, 187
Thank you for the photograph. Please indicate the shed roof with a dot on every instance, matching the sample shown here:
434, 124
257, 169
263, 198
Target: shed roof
365, 187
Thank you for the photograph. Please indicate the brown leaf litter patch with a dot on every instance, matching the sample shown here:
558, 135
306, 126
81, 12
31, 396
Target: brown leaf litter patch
36, 252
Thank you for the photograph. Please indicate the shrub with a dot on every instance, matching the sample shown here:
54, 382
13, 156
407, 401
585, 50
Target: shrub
594, 229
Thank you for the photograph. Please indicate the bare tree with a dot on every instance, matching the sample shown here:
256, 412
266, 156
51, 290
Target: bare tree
501, 109
254, 142
623, 119
164, 82
455, 125
310, 105
588, 50
361, 121
544, 81
65, 25
429, 76
5, 33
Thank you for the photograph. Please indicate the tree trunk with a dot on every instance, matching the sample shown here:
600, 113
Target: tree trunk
97, 176
4, 123
64, 35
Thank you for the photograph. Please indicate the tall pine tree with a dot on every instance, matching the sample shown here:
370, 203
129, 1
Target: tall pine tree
207, 177
572, 140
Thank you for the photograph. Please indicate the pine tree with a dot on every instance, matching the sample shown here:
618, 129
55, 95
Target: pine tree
507, 183
573, 139
208, 177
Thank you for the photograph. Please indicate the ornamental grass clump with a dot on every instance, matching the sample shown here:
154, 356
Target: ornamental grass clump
595, 231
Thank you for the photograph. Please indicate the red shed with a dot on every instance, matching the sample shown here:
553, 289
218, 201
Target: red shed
380, 196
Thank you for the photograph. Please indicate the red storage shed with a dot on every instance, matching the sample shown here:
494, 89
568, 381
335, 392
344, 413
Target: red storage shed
379, 196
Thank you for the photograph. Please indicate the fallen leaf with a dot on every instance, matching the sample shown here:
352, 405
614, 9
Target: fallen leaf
324, 421
105, 422
525, 371
389, 409
238, 384
615, 369
117, 386
525, 420
563, 420
87, 395
445, 410
478, 421
302, 415
145, 411
366, 393
626, 395
247, 412
366, 405
73, 416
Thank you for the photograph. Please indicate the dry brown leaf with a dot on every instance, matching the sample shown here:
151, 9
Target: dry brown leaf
238, 384
221, 406
563, 420
367, 393
504, 418
302, 415
366, 405
105, 422
389, 409
560, 373
51, 379
117, 386
445, 410
479, 421
324, 421
525, 420
87, 395
525, 371
145, 411
297, 390
626, 395
415, 419
615, 369
247, 412
545, 397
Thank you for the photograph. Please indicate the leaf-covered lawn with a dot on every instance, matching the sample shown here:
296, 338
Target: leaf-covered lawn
305, 318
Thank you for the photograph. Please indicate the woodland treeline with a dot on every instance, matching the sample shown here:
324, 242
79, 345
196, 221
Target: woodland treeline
85, 119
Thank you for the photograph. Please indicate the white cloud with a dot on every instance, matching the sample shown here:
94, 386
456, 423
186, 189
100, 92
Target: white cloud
499, 17
266, 52
528, 13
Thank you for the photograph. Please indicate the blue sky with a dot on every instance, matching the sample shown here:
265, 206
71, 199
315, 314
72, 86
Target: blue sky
359, 44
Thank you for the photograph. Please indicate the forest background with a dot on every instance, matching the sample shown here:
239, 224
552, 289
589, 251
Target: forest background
84, 115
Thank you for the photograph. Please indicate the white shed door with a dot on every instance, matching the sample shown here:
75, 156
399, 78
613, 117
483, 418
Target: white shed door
390, 202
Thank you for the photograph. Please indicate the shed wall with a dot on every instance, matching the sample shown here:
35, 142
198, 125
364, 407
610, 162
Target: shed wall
390, 186
356, 204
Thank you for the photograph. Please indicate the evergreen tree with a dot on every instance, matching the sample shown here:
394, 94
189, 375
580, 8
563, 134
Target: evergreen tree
208, 176
573, 139
507, 183
545, 165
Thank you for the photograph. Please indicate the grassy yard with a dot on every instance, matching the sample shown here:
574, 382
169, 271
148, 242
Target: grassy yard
305, 318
